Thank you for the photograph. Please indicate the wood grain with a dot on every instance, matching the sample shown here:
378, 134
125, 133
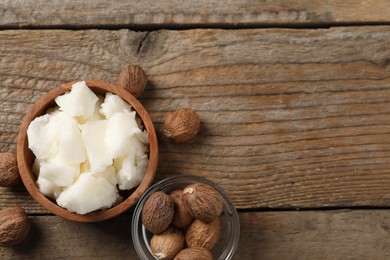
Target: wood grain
176, 14
290, 118
314, 235
264, 235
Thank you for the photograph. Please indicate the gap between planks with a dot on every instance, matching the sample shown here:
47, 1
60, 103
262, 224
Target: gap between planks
180, 27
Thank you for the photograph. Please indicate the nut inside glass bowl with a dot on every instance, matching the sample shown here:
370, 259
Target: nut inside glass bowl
230, 227
25, 157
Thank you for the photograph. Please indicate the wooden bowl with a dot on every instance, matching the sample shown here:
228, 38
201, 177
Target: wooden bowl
25, 157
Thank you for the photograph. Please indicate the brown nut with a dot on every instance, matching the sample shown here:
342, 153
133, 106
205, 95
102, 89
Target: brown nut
203, 234
202, 201
157, 212
9, 172
182, 218
167, 244
194, 253
133, 79
181, 125
14, 226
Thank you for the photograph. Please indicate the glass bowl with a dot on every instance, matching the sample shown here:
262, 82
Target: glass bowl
230, 226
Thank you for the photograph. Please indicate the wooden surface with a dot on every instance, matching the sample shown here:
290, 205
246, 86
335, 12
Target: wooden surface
302, 114
292, 118
177, 13
264, 235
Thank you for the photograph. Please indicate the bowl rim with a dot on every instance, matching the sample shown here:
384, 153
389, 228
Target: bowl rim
137, 236
24, 154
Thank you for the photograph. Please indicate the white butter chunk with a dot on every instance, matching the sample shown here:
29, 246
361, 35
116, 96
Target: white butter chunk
131, 175
71, 145
120, 128
113, 104
96, 115
142, 136
42, 137
137, 146
109, 174
48, 188
88, 193
131, 169
61, 175
93, 133
80, 101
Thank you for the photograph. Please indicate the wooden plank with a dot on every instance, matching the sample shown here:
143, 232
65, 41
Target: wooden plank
52, 237
264, 235
152, 14
290, 118
314, 235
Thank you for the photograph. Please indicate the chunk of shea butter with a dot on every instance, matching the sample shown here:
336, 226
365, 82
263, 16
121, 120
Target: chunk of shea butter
71, 146
109, 174
132, 166
113, 104
96, 115
93, 133
88, 193
43, 137
80, 101
120, 128
132, 170
59, 174
48, 188
43, 134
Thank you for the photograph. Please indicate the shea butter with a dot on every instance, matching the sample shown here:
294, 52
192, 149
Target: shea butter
87, 149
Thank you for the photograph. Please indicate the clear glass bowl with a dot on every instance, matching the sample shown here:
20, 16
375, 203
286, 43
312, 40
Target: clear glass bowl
230, 231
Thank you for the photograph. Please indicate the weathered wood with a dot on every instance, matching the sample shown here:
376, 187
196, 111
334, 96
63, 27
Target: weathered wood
264, 235
149, 14
52, 237
314, 235
290, 118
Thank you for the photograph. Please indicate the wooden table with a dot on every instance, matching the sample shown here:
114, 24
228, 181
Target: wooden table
294, 98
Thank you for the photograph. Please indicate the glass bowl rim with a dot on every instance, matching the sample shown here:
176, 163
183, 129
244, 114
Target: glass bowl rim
164, 183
